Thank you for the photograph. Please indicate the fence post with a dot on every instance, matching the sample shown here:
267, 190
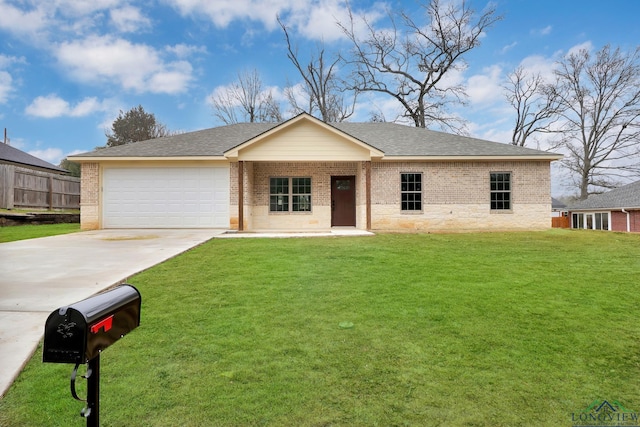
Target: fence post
50, 192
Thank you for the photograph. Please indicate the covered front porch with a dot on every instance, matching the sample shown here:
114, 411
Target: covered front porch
300, 196
303, 175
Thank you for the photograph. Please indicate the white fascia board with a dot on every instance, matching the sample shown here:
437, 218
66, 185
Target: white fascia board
84, 159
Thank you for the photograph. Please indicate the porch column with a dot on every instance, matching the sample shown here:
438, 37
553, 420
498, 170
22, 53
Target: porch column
240, 196
367, 167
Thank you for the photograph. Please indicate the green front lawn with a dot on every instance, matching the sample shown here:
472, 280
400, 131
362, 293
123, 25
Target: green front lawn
451, 330
23, 232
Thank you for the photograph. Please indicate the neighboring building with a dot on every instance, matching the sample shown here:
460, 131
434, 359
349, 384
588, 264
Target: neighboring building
558, 209
304, 174
559, 214
29, 182
12, 156
615, 210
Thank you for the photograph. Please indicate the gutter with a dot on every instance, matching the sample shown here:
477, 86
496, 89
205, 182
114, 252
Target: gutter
628, 219
87, 159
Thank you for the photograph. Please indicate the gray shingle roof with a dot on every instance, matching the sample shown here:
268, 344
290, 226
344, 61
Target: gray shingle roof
207, 142
393, 139
557, 204
400, 140
13, 155
627, 196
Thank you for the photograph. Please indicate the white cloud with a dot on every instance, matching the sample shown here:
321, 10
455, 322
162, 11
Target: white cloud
545, 66
184, 50
487, 87
21, 21
542, 31
539, 65
174, 79
492, 134
6, 61
453, 77
223, 12
508, 47
314, 19
84, 7
6, 86
319, 22
52, 18
52, 106
135, 67
129, 19
369, 104
86, 107
48, 107
51, 155
588, 46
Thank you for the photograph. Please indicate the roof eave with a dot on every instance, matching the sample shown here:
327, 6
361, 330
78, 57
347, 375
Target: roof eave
94, 159
618, 208
549, 157
57, 170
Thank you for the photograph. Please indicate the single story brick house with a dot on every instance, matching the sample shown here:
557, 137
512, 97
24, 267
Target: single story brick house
307, 175
615, 210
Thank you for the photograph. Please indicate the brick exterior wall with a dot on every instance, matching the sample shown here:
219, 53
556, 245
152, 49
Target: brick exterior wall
619, 221
635, 221
456, 197
90, 196
320, 173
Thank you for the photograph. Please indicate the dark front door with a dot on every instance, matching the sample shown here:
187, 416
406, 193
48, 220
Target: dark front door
343, 201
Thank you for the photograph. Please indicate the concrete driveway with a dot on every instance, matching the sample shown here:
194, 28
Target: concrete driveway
37, 276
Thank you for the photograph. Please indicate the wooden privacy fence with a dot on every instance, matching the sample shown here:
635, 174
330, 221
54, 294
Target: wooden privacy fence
22, 188
560, 222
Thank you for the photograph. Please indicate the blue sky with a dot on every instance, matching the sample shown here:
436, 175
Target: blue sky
67, 67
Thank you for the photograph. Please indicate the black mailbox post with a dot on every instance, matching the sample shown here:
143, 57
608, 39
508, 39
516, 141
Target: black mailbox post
78, 333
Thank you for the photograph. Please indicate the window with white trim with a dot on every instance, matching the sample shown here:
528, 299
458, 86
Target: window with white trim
287, 194
590, 220
411, 192
500, 191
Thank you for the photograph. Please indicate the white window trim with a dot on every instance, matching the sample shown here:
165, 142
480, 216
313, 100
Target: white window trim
593, 222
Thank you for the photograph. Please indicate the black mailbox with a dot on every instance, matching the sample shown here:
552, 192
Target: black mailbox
79, 332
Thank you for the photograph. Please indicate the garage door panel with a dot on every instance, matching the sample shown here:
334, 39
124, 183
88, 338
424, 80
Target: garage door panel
166, 197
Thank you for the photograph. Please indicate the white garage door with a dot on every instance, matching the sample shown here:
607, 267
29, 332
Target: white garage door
166, 197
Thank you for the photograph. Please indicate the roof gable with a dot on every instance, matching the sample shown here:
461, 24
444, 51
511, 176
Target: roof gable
303, 138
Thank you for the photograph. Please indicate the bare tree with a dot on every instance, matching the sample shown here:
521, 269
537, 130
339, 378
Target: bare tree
270, 109
599, 95
410, 64
536, 106
323, 91
246, 101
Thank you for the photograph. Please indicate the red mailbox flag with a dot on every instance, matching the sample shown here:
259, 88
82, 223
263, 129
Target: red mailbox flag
107, 322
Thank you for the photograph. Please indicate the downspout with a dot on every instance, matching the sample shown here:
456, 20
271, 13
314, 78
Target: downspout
628, 219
